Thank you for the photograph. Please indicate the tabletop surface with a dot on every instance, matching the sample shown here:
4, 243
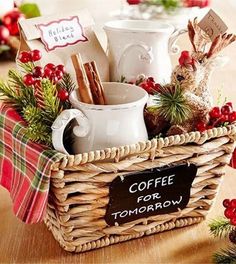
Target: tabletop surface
20, 243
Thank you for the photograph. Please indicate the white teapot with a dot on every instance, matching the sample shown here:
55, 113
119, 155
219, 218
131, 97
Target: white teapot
141, 47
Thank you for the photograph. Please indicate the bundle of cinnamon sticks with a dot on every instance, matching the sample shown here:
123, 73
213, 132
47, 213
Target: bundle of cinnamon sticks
90, 88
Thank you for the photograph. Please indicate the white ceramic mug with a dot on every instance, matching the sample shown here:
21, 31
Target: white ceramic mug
141, 47
118, 123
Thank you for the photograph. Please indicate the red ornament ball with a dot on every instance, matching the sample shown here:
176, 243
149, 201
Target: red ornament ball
50, 66
38, 72
10, 20
36, 55
201, 126
226, 110
233, 221
232, 117
61, 68
63, 95
229, 213
4, 34
59, 74
215, 112
25, 57
28, 79
226, 203
47, 73
233, 203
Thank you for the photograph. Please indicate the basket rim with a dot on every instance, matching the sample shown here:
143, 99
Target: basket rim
115, 153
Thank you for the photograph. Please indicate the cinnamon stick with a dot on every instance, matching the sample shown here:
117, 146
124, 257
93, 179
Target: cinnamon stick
95, 83
83, 89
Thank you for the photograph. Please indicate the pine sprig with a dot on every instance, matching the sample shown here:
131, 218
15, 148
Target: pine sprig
172, 105
227, 256
220, 227
67, 83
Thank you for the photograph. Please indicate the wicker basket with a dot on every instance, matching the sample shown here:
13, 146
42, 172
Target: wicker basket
79, 191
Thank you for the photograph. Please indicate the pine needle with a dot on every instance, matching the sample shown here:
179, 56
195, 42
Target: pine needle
225, 256
220, 227
67, 83
172, 105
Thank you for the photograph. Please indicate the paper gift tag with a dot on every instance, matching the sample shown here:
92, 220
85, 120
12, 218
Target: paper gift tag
212, 24
61, 33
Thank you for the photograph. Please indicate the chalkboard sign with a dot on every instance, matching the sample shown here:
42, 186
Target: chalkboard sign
149, 192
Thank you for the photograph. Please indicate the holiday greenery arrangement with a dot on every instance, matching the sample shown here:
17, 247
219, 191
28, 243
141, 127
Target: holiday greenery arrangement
38, 94
9, 31
185, 104
223, 227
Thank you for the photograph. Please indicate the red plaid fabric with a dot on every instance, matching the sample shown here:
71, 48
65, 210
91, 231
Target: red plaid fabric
25, 167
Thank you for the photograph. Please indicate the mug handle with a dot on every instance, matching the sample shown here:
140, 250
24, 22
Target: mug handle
173, 48
145, 55
62, 121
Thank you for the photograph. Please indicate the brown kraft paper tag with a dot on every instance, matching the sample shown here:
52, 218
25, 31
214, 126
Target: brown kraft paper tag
59, 36
213, 25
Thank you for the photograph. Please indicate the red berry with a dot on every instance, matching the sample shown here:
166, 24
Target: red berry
36, 55
37, 84
230, 104
151, 79
145, 86
24, 57
61, 68
53, 78
209, 127
224, 118
10, 20
28, 79
38, 72
232, 117
201, 126
63, 95
59, 74
233, 203
229, 212
47, 73
157, 87
215, 112
226, 203
233, 221
133, 2
4, 34
50, 66
226, 110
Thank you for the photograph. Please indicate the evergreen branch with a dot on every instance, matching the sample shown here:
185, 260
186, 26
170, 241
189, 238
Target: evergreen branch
67, 83
227, 256
39, 132
220, 227
51, 101
26, 67
172, 105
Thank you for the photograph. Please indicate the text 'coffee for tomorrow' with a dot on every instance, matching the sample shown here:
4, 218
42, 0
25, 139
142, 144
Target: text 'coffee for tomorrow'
150, 192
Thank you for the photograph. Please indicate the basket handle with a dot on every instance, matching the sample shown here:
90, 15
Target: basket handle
62, 121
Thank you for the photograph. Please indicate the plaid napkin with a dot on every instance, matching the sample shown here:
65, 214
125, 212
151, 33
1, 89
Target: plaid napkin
25, 167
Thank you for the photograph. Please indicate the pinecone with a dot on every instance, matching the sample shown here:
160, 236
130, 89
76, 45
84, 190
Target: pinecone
232, 236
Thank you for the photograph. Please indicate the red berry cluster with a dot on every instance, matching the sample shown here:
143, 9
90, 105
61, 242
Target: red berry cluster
50, 71
230, 211
149, 85
218, 117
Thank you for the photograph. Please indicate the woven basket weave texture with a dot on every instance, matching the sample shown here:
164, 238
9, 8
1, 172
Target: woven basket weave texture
79, 191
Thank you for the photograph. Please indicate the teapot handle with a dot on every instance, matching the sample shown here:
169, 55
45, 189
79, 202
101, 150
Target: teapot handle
173, 48
62, 121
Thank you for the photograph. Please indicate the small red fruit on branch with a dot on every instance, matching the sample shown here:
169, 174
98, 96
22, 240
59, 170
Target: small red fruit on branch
185, 59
